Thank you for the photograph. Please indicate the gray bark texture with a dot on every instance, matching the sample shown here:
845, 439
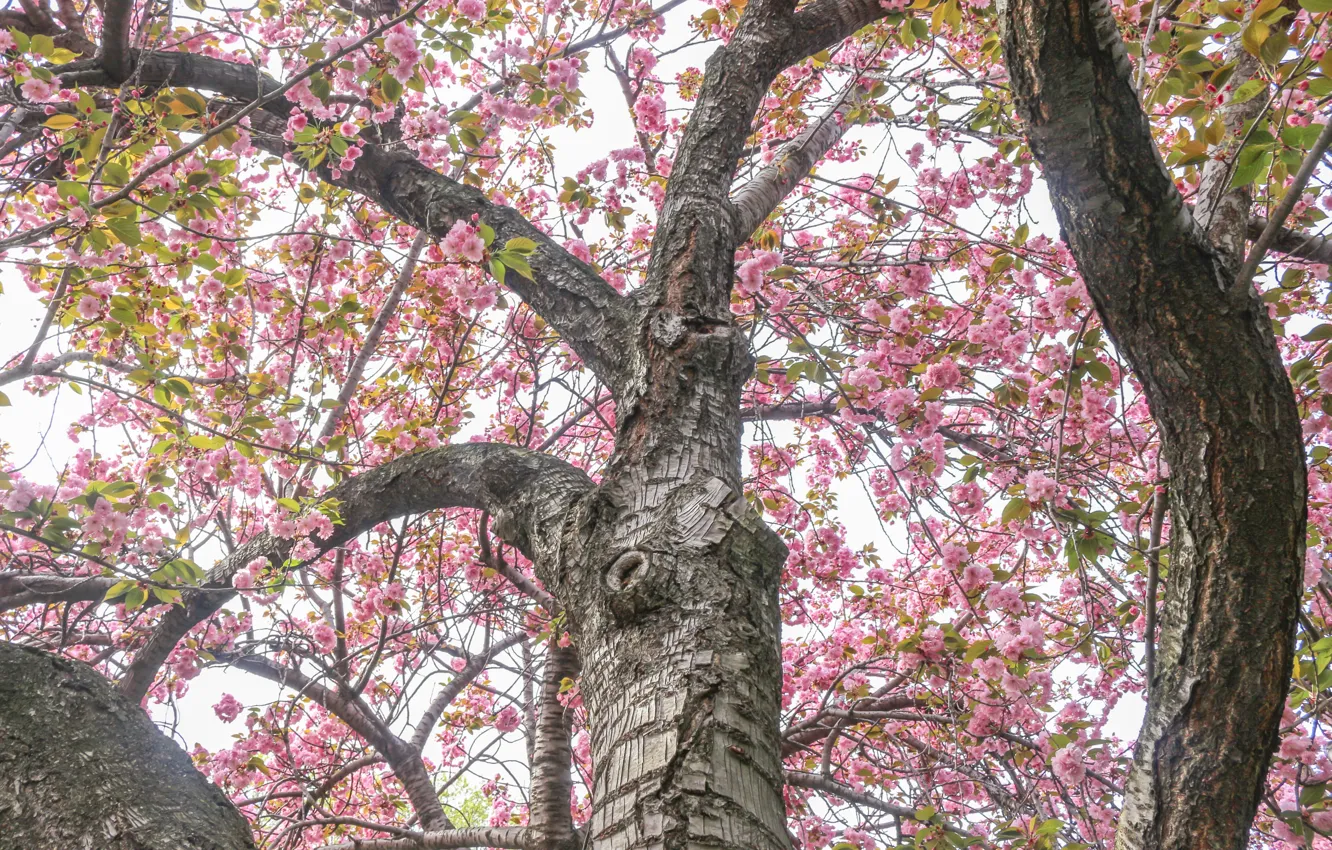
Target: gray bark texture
83, 768
1204, 350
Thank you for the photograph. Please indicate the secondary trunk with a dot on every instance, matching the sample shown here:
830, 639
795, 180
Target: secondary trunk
1204, 351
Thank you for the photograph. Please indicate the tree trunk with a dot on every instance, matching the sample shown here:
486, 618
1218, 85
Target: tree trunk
111, 782
1205, 353
670, 582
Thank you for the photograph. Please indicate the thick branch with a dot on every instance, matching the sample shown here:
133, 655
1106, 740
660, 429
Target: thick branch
20, 589
588, 313
1293, 243
693, 252
552, 756
758, 198
825, 23
510, 837
527, 492
114, 57
81, 766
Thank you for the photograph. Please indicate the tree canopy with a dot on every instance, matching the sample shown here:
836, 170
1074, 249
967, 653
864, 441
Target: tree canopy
581, 423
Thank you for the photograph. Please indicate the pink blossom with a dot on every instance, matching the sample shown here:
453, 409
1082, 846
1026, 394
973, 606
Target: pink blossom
472, 9
1068, 765
651, 112
90, 306
1040, 487
39, 91
400, 42
1325, 379
228, 708
508, 719
945, 374
464, 241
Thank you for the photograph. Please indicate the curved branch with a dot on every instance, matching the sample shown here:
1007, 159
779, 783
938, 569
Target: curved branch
594, 319
528, 493
824, 23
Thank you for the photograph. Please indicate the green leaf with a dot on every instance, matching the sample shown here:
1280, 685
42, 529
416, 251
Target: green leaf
71, 189
520, 245
1317, 6
135, 597
118, 489
126, 230
1323, 331
1248, 91
391, 88
206, 441
167, 596
976, 650
1016, 509
1098, 370
118, 589
516, 263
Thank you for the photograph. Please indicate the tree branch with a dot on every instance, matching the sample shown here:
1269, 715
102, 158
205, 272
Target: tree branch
828, 785
594, 319
510, 837
757, 199
552, 755
114, 56
20, 589
1229, 426
404, 761
1293, 243
464, 677
1294, 192
527, 492
387, 310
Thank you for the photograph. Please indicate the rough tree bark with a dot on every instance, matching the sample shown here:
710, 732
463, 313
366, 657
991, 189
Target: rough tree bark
1204, 351
115, 782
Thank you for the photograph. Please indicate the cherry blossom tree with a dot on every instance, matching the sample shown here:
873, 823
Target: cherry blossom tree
582, 423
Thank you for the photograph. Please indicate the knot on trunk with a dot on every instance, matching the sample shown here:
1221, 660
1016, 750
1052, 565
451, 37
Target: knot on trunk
636, 584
